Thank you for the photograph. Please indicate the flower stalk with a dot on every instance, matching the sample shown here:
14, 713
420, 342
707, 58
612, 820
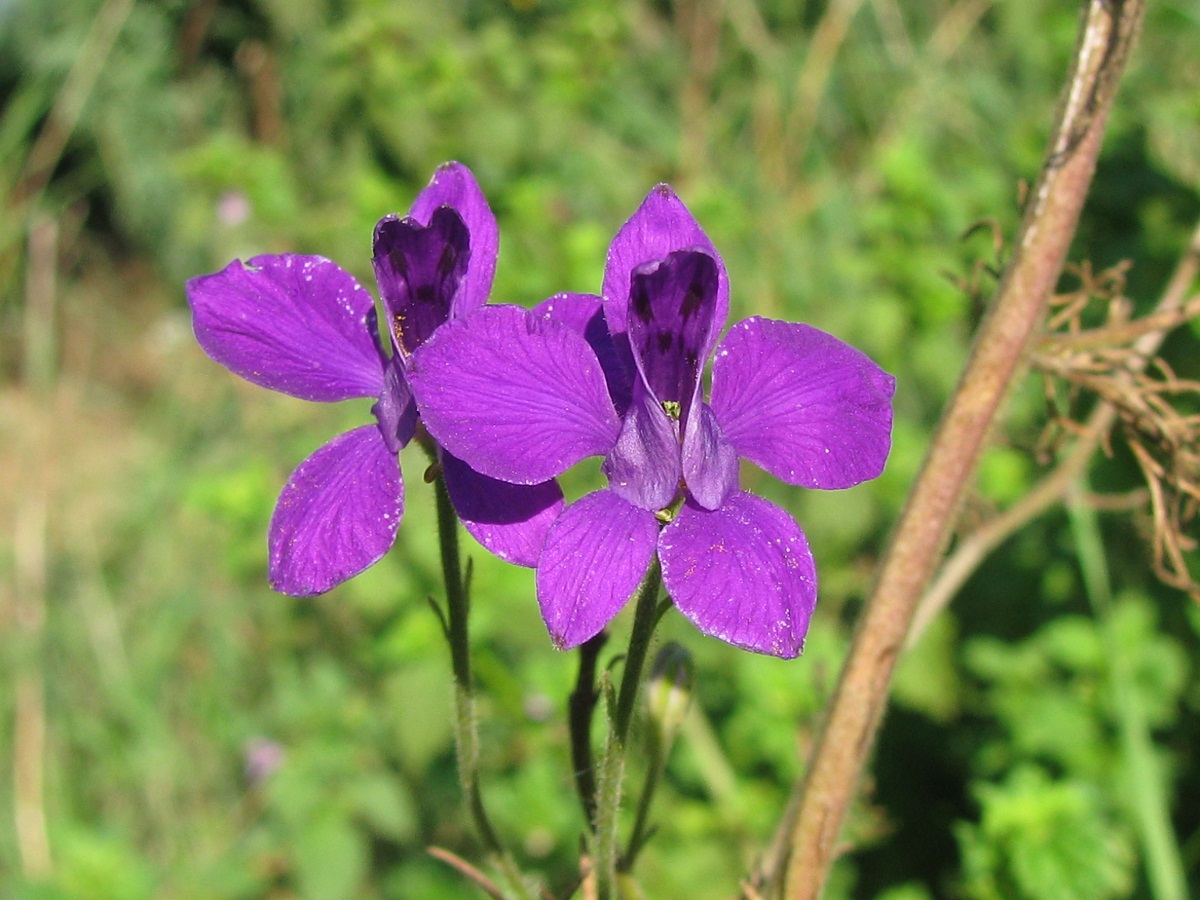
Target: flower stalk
466, 735
612, 765
847, 734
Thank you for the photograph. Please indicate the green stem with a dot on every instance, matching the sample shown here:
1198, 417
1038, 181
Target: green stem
655, 766
466, 738
1164, 865
612, 766
580, 706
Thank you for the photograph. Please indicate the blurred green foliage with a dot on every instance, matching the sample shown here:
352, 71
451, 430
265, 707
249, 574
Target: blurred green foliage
159, 663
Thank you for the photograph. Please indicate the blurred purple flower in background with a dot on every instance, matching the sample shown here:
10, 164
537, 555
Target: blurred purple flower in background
261, 756
524, 395
303, 326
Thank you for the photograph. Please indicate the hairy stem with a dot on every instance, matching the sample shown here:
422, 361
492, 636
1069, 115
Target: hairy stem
466, 737
920, 538
612, 765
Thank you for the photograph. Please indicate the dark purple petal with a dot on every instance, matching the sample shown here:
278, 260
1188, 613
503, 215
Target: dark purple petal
808, 408
593, 560
296, 324
710, 463
420, 269
585, 314
518, 397
661, 225
671, 325
337, 515
511, 520
643, 466
454, 186
742, 573
396, 410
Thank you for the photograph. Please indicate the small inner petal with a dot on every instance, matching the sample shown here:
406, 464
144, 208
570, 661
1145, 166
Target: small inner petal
672, 304
419, 269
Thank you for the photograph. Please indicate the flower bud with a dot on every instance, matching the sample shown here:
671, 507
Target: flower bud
669, 692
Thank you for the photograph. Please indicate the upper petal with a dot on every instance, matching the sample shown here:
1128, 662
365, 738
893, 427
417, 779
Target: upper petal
453, 185
296, 324
511, 520
808, 408
661, 225
671, 324
337, 515
420, 269
742, 573
516, 396
594, 558
585, 314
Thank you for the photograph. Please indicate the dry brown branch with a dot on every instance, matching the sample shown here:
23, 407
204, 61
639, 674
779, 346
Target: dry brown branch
847, 735
1173, 308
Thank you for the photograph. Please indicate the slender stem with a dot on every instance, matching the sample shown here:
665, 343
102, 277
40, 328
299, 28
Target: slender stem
612, 766
1151, 814
580, 706
848, 732
466, 737
655, 766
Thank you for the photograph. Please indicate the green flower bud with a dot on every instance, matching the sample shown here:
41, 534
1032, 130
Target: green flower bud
669, 692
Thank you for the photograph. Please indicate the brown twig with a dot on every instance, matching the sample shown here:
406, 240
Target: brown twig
1107, 33
468, 871
1173, 309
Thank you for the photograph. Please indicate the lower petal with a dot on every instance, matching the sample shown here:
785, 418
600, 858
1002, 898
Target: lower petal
742, 573
643, 466
396, 410
510, 520
593, 560
337, 515
710, 464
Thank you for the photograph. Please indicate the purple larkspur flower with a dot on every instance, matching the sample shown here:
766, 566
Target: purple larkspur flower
303, 326
524, 395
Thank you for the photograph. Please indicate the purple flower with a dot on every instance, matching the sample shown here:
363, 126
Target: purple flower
523, 395
303, 326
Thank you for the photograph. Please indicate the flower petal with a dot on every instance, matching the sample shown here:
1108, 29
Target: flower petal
661, 225
516, 396
808, 408
420, 269
510, 520
742, 573
594, 558
337, 515
585, 314
671, 325
296, 324
643, 466
710, 463
395, 410
453, 185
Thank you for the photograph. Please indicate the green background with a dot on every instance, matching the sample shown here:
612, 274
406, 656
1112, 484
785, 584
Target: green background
837, 154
